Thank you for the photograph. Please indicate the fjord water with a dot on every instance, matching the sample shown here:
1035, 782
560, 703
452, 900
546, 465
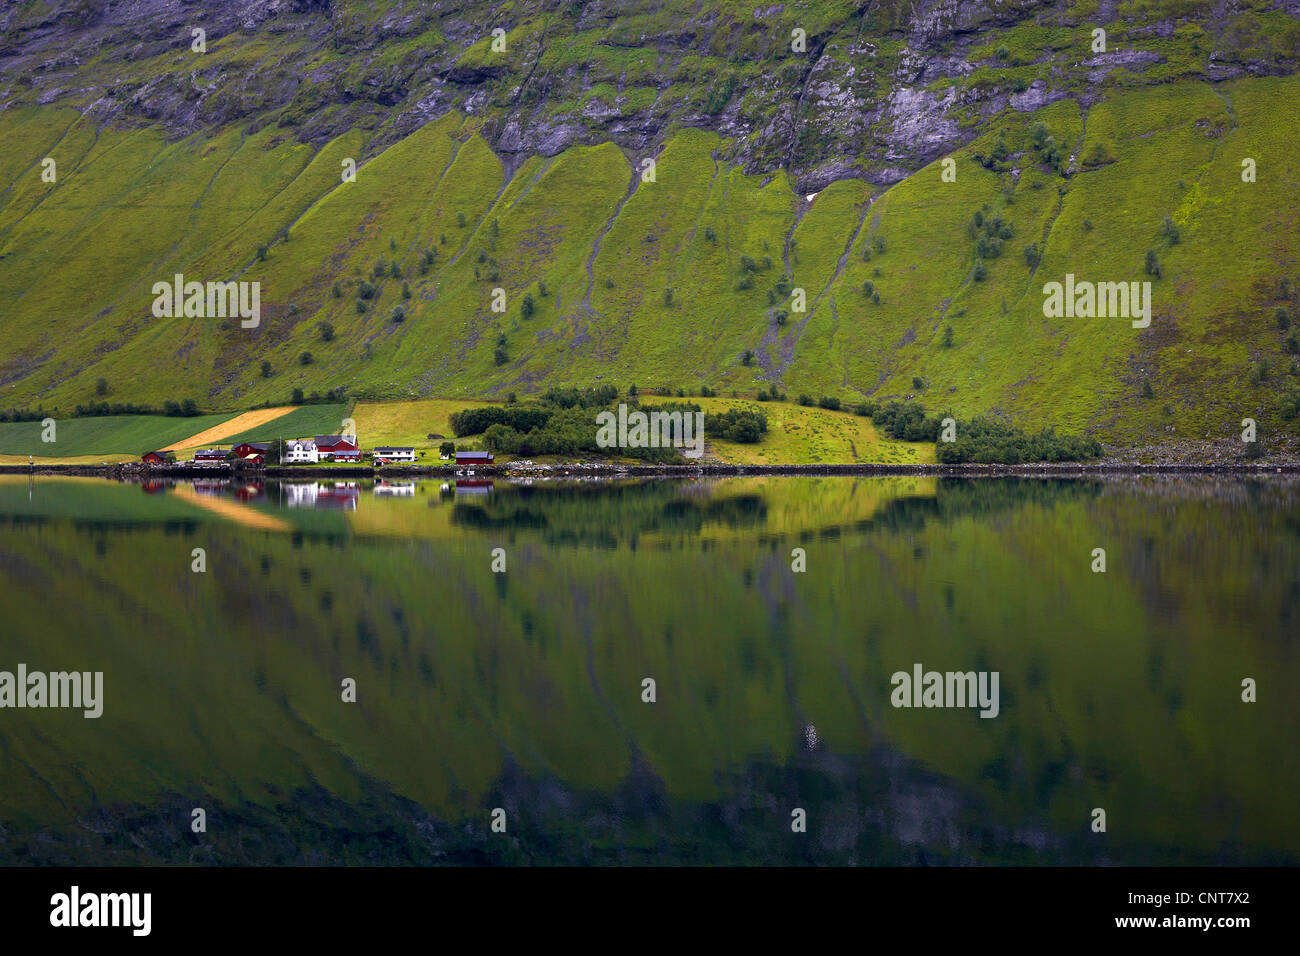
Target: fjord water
523, 690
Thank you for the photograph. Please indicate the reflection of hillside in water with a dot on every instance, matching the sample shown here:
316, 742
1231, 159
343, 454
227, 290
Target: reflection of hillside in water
522, 689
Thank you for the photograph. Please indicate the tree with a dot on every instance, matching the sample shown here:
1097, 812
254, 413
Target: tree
326, 331
266, 369
297, 397
748, 358
406, 291
946, 339
631, 391
527, 307
261, 253
305, 358
460, 220
447, 449
101, 387
1153, 264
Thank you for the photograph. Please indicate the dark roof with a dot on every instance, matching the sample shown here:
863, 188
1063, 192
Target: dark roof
391, 448
473, 454
334, 439
259, 445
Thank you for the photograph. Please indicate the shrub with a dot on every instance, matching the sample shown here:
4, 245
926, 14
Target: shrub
1259, 372
396, 270
1147, 390
1170, 231
305, 358
918, 383
406, 291
499, 356
460, 220
981, 271
805, 400
379, 269
326, 331
398, 316
296, 399
748, 358
338, 291
829, 401
879, 245
266, 369
361, 307
1153, 264
261, 253
946, 339
527, 307
1283, 318
1292, 343
668, 297
367, 290
1031, 255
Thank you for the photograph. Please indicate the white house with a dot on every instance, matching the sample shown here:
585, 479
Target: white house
390, 454
300, 452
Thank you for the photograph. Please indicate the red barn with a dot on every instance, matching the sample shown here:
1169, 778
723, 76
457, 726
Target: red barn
474, 458
157, 457
250, 449
338, 447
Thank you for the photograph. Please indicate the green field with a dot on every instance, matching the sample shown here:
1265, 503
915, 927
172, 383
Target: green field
110, 435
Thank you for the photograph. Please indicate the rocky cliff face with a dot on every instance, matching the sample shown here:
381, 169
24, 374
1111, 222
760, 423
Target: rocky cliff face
826, 88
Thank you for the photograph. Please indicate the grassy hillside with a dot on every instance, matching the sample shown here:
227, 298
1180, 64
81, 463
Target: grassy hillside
693, 279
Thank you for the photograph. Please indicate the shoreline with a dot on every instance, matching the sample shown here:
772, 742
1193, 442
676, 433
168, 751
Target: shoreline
134, 470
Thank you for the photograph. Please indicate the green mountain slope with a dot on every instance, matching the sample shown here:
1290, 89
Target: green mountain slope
694, 278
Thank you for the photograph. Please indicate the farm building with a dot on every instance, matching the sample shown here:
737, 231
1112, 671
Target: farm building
158, 457
474, 458
251, 449
337, 447
388, 454
210, 455
301, 452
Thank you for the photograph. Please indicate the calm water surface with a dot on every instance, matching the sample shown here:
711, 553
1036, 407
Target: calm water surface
523, 690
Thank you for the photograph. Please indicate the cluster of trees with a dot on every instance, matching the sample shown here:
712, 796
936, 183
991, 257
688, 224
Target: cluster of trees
990, 441
184, 409
980, 440
736, 424
333, 396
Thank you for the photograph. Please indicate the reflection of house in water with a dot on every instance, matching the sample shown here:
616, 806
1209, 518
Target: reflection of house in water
249, 490
341, 494
472, 487
395, 489
151, 486
210, 486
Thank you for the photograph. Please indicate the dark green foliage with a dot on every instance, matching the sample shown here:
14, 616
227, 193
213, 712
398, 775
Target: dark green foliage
326, 330
946, 339
266, 369
527, 307
829, 401
990, 441
739, 425
305, 358
1152, 264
